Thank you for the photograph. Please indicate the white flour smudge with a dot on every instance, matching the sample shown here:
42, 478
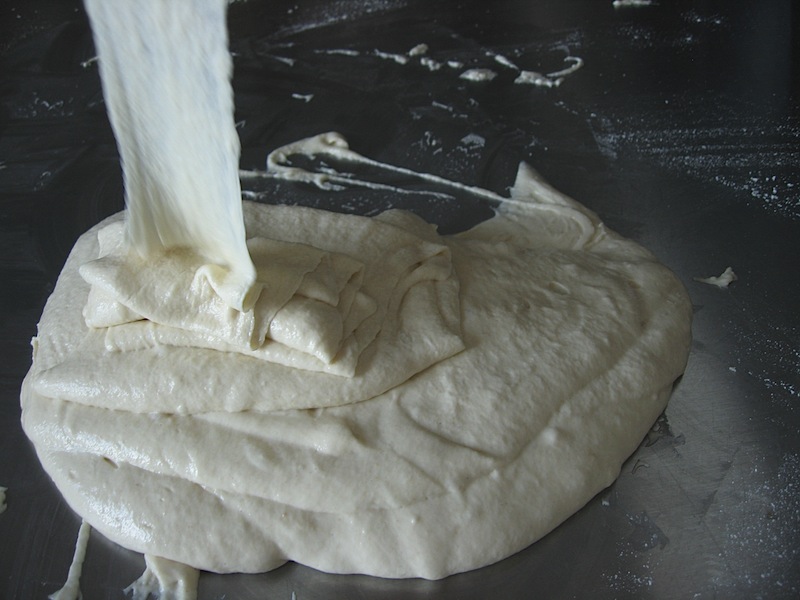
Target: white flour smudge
631, 3
760, 537
478, 75
748, 154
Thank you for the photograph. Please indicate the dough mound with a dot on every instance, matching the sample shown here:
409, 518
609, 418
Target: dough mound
503, 376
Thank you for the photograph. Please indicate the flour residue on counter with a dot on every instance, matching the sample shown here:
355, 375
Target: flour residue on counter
478, 75
755, 157
767, 354
760, 525
632, 3
420, 55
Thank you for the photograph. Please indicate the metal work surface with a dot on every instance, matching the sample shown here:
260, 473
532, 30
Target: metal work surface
677, 122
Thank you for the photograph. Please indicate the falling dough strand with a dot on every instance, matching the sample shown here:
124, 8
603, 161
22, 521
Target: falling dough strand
165, 70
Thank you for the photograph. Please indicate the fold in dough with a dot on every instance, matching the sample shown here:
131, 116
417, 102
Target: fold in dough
573, 339
305, 302
373, 321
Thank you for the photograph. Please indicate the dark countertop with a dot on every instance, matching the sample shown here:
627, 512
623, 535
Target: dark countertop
681, 130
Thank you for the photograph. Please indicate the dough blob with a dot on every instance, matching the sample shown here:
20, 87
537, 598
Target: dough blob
572, 338
232, 386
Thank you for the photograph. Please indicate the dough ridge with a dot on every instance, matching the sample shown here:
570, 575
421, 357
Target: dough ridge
560, 351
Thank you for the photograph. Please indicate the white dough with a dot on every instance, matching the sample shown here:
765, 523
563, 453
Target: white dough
722, 281
165, 69
166, 580
573, 338
71, 589
231, 386
386, 348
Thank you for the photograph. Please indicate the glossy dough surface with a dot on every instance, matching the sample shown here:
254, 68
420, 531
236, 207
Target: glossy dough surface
429, 459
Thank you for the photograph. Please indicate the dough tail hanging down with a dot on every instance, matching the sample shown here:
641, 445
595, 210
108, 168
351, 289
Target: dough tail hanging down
166, 84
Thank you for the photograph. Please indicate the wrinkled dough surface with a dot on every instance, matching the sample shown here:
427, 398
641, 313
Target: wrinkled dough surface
572, 343
389, 340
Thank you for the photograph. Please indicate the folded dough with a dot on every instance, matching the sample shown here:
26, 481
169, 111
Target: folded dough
418, 465
321, 312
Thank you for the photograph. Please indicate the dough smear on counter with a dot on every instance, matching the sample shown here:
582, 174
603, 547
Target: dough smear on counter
360, 395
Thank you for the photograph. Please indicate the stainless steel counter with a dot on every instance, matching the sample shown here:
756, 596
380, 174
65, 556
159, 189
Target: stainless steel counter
681, 130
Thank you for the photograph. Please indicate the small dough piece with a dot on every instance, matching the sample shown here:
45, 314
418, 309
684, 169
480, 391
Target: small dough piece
722, 281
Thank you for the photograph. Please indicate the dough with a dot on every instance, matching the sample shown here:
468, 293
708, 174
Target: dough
572, 338
232, 386
412, 321
165, 69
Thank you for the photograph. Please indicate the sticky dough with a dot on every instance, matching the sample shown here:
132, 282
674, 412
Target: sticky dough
572, 338
231, 386
165, 69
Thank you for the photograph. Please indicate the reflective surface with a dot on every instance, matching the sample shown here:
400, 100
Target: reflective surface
681, 130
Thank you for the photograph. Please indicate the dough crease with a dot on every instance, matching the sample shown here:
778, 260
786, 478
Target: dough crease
513, 368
